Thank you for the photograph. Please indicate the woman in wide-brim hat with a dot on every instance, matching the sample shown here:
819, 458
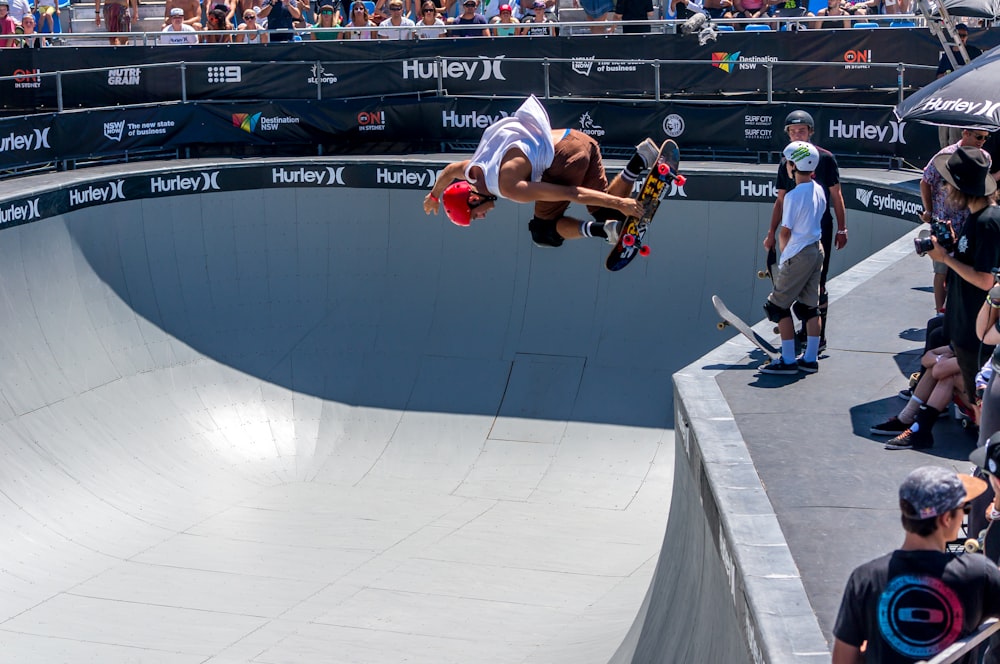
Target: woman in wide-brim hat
974, 255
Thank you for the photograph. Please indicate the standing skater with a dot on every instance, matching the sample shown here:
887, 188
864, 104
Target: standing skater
796, 284
799, 126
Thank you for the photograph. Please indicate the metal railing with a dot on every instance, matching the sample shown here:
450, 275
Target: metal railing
963, 647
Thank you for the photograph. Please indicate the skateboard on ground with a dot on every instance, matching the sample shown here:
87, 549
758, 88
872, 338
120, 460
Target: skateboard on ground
731, 319
654, 188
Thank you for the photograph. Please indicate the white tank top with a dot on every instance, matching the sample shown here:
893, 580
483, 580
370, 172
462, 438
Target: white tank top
528, 129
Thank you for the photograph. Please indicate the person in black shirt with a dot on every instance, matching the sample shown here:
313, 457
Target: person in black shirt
913, 603
951, 135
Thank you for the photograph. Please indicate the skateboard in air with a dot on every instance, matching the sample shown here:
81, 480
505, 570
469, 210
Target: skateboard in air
729, 319
654, 188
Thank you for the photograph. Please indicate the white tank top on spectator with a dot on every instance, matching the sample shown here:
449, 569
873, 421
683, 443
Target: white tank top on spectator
529, 130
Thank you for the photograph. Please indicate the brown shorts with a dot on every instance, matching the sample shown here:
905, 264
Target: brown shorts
116, 18
577, 163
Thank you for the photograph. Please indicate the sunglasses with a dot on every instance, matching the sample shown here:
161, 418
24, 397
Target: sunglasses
468, 4
980, 138
429, 10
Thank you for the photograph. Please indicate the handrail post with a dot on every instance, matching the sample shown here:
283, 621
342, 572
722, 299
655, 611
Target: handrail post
184, 89
900, 68
439, 73
59, 92
545, 69
319, 80
770, 82
656, 80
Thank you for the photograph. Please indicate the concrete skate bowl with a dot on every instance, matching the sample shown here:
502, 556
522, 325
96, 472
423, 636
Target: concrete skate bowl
252, 414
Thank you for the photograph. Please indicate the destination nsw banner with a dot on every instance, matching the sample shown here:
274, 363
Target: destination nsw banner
407, 125
736, 62
330, 173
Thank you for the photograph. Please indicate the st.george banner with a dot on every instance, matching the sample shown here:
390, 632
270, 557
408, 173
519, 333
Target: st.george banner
629, 66
351, 126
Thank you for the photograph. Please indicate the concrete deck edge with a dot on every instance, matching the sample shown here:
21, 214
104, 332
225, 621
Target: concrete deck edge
777, 619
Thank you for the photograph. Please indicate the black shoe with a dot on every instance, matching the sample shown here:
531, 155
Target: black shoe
903, 441
891, 427
807, 367
780, 367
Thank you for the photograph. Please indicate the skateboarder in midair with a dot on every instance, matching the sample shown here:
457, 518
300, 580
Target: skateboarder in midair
523, 159
796, 284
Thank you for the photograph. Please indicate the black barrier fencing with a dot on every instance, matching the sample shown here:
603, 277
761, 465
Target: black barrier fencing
759, 66
333, 173
350, 126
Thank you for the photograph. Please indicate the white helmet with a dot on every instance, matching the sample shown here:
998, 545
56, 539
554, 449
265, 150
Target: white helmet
804, 155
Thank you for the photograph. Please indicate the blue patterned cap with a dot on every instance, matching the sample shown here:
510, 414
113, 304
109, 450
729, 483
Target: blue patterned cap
932, 491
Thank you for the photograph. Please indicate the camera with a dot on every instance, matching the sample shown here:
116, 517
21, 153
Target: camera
944, 233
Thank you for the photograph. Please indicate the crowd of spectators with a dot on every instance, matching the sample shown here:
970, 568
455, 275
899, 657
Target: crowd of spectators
295, 20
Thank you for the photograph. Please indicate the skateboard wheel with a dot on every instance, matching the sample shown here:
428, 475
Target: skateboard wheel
761, 274
644, 250
628, 240
680, 180
722, 325
663, 169
971, 546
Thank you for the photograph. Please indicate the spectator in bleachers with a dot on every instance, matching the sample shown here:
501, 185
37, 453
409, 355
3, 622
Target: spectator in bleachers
538, 24
329, 17
752, 9
469, 17
401, 26
281, 16
254, 34
18, 10
597, 12
117, 17
7, 25
191, 12
46, 9
504, 24
634, 10
30, 38
178, 32
528, 9
430, 25
834, 15
360, 19
792, 9
216, 19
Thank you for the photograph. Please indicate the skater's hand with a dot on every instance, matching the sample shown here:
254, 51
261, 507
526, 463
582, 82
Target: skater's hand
769, 241
630, 207
840, 239
431, 204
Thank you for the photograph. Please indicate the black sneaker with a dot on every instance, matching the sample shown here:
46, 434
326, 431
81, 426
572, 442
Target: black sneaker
807, 367
891, 427
780, 367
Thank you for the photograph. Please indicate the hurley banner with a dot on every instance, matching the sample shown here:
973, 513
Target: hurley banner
833, 63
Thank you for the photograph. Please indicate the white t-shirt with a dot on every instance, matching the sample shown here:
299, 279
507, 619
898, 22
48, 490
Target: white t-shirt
183, 36
529, 130
397, 32
425, 31
801, 213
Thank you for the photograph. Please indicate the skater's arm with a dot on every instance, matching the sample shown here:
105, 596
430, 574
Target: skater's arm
776, 211
784, 235
453, 171
522, 191
845, 654
840, 212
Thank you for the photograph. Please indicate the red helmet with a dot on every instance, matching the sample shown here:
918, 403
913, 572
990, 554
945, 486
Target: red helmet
456, 203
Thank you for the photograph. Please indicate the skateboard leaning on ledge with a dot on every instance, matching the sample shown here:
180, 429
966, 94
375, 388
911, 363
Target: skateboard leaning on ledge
729, 319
